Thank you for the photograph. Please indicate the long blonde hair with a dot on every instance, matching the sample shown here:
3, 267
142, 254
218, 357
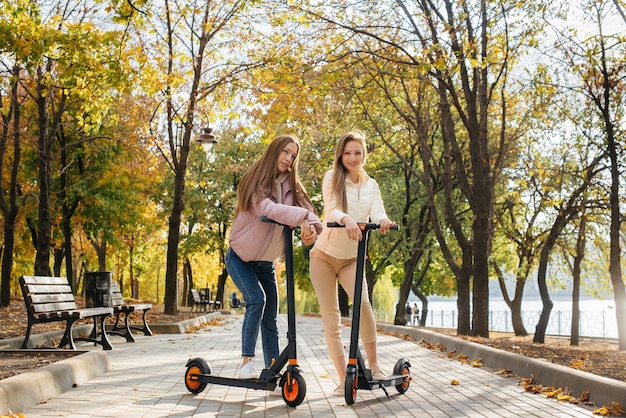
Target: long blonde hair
256, 184
340, 171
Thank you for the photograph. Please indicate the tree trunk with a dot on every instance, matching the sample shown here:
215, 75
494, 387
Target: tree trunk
615, 268
463, 298
203, 36
59, 256
9, 208
482, 187
424, 314
44, 223
401, 315
101, 252
515, 304
480, 288
187, 282
516, 318
565, 213
443, 170
221, 282
578, 258
7, 261
67, 238
544, 258
134, 284
463, 272
604, 103
454, 169
173, 235
408, 284
67, 210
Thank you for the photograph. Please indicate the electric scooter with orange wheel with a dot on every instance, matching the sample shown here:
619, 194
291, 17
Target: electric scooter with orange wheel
357, 375
198, 374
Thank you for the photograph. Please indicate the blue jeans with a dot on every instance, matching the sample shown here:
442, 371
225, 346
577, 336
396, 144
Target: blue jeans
256, 280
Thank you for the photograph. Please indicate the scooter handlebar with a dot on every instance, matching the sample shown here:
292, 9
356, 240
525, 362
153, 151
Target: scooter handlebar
363, 225
264, 218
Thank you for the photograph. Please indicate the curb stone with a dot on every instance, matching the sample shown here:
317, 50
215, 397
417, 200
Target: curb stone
20, 392
602, 390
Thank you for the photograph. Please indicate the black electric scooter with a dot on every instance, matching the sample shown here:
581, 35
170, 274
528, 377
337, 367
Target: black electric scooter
198, 373
357, 375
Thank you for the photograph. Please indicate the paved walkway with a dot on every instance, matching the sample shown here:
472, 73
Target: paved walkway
146, 379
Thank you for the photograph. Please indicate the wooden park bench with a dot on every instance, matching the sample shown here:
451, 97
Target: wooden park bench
120, 308
212, 303
198, 300
50, 299
201, 298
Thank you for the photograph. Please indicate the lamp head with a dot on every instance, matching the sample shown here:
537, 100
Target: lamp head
206, 137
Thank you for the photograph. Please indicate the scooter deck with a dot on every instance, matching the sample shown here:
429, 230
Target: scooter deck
392, 380
230, 381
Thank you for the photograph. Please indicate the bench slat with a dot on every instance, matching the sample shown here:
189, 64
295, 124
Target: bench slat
117, 299
45, 298
48, 288
54, 307
43, 280
89, 312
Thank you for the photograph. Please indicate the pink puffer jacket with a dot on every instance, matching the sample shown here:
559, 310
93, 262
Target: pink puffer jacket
250, 237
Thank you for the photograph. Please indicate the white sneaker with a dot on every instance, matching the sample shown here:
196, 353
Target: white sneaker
377, 373
339, 391
248, 372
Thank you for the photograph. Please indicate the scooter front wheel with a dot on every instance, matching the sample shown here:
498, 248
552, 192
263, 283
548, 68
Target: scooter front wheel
195, 367
295, 396
403, 368
350, 387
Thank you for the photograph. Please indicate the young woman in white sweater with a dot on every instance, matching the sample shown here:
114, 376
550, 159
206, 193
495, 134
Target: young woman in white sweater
350, 196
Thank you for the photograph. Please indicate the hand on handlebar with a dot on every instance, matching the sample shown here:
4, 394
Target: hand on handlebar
308, 233
352, 229
386, 225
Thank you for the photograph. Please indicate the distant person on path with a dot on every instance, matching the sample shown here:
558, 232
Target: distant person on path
350, 196
235, 302
416, 314
271, 187
409, 313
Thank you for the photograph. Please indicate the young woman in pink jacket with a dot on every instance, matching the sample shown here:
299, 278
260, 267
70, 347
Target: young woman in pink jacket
271, 187
350, 196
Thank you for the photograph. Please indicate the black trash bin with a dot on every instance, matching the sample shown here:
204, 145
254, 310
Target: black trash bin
98, 289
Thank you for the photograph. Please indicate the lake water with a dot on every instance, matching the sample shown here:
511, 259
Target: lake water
597, 317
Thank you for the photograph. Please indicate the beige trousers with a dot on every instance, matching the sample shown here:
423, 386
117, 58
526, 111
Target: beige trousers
325, 271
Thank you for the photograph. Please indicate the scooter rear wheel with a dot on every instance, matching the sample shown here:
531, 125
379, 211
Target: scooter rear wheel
298, 389
196, 366
350, 387
403, 368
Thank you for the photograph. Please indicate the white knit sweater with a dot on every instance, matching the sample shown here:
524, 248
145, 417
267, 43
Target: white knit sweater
364, 205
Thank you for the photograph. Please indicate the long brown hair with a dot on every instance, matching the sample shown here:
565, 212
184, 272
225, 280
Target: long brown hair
256, 184
340, 171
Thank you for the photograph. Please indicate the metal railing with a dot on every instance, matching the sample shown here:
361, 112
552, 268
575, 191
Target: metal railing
591, 324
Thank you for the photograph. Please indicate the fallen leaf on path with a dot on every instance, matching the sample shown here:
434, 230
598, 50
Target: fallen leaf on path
615, 410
